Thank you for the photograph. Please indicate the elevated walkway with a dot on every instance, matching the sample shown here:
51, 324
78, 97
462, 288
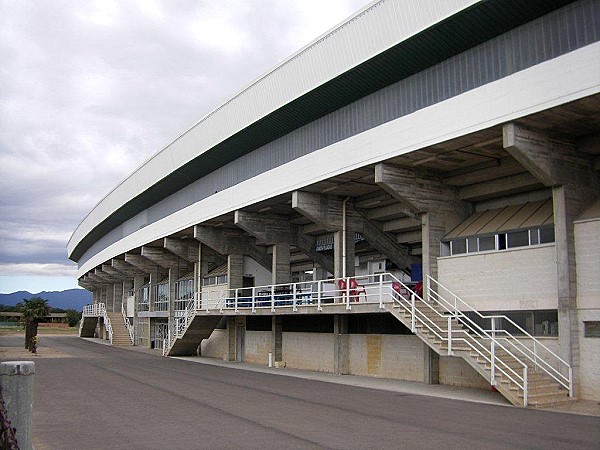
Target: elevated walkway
522, 368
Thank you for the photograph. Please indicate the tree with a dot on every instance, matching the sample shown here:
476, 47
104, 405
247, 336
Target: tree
73, 317
34, 311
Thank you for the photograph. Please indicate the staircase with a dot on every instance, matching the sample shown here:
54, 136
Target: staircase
120, 333
520, 373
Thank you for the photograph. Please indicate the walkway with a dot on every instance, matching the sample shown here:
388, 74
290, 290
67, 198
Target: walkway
104, 397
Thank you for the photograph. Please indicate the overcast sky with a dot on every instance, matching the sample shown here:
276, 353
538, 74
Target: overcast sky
90, 89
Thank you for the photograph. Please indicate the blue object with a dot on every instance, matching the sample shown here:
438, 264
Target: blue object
416, 272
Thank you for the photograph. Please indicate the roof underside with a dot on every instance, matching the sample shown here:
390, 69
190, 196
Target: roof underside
443, 40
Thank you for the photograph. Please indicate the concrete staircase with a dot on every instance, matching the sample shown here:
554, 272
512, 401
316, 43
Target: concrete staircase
542, 389
120, 336
200, 327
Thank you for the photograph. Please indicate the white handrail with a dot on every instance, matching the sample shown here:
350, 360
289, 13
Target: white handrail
532, 356
127, 324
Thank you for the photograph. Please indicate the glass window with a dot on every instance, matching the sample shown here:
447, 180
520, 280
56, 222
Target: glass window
487, 243
517, 239
458, 246
546, 235
534, 236
501, 241
472, 245
222, 279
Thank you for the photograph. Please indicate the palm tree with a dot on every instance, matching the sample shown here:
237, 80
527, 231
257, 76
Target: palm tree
34, 311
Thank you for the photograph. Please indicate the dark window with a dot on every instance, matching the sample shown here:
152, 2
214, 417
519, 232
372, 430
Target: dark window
487, 243
459, 246
591, 329
258, 323
546, 235
501, 241
518, 239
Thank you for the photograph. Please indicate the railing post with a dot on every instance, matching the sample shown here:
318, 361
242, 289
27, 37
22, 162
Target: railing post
235, 299
294, 306
525, 386
319, 290
253, 299
449, 335
380, 291
493, 352
412, 315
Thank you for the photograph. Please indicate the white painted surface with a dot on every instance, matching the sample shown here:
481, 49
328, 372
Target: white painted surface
367, 33
516, 279
554, 82
262, 276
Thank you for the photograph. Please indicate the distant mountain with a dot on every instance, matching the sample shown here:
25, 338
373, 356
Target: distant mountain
69, 299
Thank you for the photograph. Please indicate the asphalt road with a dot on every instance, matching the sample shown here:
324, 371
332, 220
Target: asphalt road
103, 398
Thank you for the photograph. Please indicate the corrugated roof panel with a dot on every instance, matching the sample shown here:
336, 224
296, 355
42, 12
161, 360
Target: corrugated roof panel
464, 224
485, 218
539, 217
521, 216
503, 215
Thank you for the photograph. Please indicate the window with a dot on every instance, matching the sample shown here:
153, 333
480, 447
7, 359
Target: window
500, 241
161, 302
591, 329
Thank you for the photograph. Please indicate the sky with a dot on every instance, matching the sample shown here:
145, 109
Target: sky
91, 89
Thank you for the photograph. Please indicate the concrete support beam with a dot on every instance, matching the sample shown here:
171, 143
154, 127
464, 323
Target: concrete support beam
142, 263
231, 241
406, 223
105, 276
110, 270
186, 249
327, 212
163, 258
266, 228
554, 161
273, 230
235, 271
500, 186
127, 268
557, 163
435, 204
118, 291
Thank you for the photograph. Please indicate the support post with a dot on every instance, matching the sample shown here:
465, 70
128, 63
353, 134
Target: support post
16, 381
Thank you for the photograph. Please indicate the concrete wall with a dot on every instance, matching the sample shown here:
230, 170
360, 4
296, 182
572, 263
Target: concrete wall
309, 351
216, 345
455, 371
522, 278
262, 276
587, 248
387, 356
257, 347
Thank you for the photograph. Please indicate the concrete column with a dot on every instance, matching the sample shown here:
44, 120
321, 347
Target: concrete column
277, 338
127, 288
338, 250
341, 344
568, 203
110, 297
16, 380
281, 264
433, 229
118, 292
235, 271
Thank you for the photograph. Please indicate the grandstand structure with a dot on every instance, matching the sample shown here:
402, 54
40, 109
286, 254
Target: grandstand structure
414, 195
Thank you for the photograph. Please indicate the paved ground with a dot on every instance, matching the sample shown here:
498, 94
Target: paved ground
102, 397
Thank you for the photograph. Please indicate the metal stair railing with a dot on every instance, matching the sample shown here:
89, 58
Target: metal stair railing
180, 326
448, 335
459, 306
127, 324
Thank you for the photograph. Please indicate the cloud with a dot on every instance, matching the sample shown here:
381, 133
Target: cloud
92, 89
